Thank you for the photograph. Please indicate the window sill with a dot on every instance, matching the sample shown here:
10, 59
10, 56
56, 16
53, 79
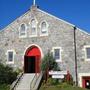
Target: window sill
58, 61
33, 36
43, 34
9, 62
22, 36
87, 60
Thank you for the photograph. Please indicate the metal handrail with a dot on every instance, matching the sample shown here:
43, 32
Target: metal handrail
14, 84
36, 77
32, 82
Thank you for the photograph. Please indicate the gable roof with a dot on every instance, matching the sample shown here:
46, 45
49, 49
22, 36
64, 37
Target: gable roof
46, 14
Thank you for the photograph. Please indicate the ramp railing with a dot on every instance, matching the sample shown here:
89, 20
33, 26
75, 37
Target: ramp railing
16, 82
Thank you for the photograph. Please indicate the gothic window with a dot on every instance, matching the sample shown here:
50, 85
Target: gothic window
22, 31
44, 28
33, 27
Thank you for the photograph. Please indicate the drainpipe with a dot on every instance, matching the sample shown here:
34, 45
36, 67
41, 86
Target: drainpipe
75, 52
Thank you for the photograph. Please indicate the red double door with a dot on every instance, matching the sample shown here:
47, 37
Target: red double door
32, 61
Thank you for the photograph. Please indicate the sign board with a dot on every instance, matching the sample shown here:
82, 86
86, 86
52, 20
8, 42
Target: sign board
57, 72
58, 76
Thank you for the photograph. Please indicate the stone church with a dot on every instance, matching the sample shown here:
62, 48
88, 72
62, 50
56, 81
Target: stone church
24, 42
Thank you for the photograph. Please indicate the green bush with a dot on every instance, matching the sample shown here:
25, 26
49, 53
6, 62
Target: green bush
70, 81
4, 87
52, 81
7, 75
48, 62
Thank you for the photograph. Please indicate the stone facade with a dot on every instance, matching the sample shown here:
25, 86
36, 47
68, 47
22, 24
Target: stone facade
60, 34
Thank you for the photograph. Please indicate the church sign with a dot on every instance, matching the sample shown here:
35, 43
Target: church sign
58, 74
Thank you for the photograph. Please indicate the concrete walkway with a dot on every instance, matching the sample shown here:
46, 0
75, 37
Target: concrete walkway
24, 84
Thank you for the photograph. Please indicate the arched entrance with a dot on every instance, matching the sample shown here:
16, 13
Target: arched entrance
32, 60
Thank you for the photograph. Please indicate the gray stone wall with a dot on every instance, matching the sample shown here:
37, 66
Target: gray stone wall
61, 34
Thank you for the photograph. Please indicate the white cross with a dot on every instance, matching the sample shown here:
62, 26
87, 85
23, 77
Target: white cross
34, 2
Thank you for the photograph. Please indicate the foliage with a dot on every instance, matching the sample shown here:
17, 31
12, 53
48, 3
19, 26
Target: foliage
4, 87
18, 71
48, 62
61, 86
70, 81
7, 75
52, 81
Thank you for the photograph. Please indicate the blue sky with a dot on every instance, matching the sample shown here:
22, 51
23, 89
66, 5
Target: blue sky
76, 12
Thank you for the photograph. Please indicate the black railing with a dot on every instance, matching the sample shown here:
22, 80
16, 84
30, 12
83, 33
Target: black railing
34, 80
15, 83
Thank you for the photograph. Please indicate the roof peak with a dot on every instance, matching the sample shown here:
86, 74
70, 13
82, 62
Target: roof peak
34, 2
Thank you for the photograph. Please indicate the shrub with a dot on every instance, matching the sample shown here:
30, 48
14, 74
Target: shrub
49, 62
68, 79
7, 75
52, 81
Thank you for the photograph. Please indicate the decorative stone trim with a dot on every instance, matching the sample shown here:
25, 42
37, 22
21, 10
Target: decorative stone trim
23, 36
47, 25
42, 55
35, 35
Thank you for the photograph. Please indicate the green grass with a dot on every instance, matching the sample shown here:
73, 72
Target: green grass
4, 87
60, 87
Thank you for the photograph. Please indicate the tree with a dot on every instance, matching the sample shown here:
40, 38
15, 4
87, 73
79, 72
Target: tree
48, 63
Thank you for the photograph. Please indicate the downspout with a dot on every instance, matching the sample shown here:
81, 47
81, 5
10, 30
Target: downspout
75, 52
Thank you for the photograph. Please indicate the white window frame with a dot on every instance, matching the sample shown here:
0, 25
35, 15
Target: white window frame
23, 36
35, 35
85, 47
7, 54
47, 25
57, 60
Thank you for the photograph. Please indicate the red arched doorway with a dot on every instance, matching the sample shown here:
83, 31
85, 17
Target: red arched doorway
32, 60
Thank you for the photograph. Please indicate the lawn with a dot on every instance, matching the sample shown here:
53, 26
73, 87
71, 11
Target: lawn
61, 88
4, 87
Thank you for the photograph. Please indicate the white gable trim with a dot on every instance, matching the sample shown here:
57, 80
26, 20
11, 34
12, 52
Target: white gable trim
63, 21
47, 14
10, 25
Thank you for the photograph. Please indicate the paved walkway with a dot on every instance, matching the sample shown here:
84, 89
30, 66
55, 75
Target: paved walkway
24, 84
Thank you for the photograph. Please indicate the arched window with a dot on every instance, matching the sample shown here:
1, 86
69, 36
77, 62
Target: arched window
33, 27
44, 28
22, 31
